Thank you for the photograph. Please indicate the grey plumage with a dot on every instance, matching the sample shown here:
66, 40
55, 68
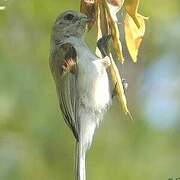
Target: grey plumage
81, 82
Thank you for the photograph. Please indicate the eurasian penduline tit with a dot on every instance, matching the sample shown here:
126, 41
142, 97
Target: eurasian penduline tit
81, 81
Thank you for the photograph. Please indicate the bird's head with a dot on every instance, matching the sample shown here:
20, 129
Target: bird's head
69, 23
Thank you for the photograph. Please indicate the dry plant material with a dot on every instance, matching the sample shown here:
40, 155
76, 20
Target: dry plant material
118, 3
131, 7
134, 25
104, 13
117, 83
88, 7
133, 35
114, 31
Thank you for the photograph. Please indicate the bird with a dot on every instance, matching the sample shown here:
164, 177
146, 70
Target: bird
81, 81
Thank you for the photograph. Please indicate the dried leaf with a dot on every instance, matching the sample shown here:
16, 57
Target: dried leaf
90, 1
104, 29
114, 32
131, 7
88, 7
134, 35
102, 24
118, 3
103, 19
116, 79
114, 10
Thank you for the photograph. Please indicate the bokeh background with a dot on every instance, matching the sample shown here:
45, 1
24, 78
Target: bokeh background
34, 140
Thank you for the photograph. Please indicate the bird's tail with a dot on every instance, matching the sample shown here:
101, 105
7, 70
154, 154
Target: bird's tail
86, 131
80, 169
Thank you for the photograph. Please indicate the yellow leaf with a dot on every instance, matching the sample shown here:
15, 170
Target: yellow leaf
131, 7
114, 32
134, 35
104, 28
116, 80
118, 3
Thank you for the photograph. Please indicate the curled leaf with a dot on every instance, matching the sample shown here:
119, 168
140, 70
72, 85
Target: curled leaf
116, 80
134, 35
102, 20
88, 7
118, 3
104, 28
131, 7
89, 1
104, 12
114, 32
114, 10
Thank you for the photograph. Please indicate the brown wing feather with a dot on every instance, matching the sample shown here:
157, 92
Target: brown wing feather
64, 68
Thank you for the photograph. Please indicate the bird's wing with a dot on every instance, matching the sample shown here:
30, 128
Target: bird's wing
65, 72
68, 102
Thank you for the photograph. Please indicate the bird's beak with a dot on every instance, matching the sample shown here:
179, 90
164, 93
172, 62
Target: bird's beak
85, 19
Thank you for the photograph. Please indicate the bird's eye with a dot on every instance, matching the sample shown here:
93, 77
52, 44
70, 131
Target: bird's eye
68, 17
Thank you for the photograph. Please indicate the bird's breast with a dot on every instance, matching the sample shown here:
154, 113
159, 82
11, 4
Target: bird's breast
93, 84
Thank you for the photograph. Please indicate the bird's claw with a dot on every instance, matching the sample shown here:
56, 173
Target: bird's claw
106, 61
103, 43
125, 84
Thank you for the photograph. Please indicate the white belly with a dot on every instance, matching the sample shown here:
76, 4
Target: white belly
94, 98
94, 85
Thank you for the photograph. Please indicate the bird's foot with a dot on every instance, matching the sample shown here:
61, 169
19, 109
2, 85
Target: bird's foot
106, 61
114, 91
125, 84
103, 43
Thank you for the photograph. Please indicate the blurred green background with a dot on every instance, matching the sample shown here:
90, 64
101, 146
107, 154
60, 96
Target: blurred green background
34, 140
